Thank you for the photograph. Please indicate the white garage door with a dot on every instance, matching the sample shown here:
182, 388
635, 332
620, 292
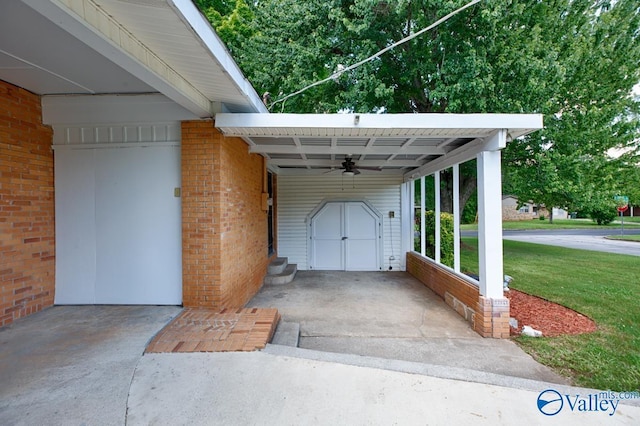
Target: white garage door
345, 236
118, 226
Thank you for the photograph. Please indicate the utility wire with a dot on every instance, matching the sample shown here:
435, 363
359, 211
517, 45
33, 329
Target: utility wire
338, 73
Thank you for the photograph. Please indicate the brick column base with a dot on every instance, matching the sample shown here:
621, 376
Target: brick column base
492, 318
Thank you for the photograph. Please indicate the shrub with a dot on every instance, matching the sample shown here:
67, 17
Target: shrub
446, 237
603, 216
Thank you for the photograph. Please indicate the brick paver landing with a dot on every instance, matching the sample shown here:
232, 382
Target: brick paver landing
205, 330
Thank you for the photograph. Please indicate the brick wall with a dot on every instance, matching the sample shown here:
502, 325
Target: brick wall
488, 317
27, 228
224, 229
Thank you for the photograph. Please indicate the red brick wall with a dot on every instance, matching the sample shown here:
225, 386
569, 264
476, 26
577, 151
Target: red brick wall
224, 229
27, 228
488, 317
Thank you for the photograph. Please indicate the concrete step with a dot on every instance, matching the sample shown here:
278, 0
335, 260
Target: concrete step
285, 277
277, 266
287, 334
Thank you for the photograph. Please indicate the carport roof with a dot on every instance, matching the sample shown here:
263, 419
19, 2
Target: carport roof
408, 144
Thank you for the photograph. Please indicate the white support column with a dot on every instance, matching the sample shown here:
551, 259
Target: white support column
456, 217
436, 191
406, 222
423, 239
490, 223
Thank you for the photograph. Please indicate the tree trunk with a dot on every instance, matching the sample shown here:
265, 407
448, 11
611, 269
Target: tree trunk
468, 185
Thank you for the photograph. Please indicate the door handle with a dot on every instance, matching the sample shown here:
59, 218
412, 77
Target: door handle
344, 238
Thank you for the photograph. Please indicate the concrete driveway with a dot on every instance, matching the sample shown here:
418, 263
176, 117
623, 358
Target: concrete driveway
74, 364
390, 315
84, 365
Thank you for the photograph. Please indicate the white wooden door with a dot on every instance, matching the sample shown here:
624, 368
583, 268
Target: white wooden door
345, 236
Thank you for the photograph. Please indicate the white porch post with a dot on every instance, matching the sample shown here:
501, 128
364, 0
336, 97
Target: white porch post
407, 221
423, 237
490, 223
456, 217
436, 190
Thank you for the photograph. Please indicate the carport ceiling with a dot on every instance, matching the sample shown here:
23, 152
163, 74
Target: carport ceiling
395, 143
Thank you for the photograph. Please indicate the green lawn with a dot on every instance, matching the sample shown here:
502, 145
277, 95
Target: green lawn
557, 224
625, 237
604, 286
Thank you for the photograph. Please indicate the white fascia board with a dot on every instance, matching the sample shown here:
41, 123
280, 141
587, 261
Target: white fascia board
102, 109
89, 23
203, 30
467, 152
331, 124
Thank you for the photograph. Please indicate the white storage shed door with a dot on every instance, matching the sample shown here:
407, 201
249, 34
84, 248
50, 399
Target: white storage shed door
345, 236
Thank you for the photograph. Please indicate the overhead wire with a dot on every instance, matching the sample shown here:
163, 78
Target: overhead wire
341, 71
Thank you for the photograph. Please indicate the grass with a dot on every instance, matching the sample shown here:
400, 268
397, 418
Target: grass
625, 237
524, 225
604, 286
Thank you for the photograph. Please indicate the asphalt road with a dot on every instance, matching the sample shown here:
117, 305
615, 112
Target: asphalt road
584, 239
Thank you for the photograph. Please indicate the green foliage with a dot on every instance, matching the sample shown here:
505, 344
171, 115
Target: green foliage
446, 237
603, 214
233, 20
575, 61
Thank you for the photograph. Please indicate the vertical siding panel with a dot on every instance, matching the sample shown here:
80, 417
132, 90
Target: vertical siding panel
299, 195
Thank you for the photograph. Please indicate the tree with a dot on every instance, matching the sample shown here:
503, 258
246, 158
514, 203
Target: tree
575, 61
590, 111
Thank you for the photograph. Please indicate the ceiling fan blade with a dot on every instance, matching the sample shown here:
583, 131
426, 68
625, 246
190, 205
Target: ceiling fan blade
376, 169
332, 170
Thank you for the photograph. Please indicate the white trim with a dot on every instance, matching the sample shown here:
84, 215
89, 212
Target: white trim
406, 224
423, 237
456, 217
93, 26
459, 125
203, 31
89, 110
113, 145
438, 208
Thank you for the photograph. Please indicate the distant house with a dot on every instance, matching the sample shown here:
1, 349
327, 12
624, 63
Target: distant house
632, 211
527, 211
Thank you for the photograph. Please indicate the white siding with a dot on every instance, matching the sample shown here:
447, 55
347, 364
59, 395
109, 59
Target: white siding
299, 195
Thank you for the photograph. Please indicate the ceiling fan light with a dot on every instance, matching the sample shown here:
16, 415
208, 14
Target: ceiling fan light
348, 173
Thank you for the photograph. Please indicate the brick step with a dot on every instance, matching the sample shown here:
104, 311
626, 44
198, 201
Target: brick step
277, 266
285, 277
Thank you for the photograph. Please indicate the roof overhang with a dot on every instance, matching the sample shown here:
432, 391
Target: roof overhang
89, 47
412, 145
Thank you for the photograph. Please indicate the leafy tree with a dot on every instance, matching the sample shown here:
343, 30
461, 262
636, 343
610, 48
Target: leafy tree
233, 20
575, 61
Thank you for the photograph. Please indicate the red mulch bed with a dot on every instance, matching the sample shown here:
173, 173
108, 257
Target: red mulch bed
550, 318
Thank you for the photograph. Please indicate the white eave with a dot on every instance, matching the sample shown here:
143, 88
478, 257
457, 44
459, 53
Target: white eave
122, 47
407, 144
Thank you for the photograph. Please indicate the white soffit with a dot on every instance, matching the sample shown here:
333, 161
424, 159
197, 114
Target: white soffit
137, 46
407, 144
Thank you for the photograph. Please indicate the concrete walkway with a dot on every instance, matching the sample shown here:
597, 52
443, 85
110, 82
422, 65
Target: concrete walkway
394, 316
